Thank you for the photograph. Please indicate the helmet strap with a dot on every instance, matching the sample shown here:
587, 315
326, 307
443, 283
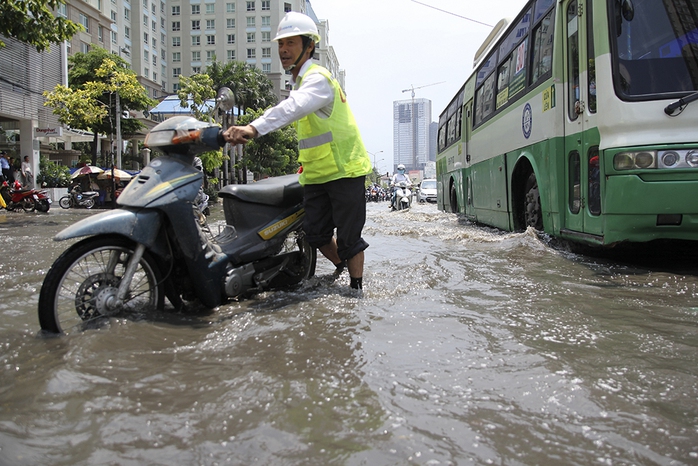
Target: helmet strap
300, 57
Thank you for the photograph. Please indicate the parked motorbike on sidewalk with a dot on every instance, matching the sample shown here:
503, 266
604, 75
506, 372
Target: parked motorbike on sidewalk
77, 198
27, 199
403, 196
153, 247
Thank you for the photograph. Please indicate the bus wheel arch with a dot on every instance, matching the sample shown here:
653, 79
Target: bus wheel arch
526, 197
453, 196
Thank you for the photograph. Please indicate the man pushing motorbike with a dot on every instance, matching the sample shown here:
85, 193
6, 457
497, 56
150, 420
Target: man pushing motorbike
332, 155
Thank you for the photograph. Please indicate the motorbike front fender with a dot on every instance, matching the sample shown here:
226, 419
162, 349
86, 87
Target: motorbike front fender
140, 226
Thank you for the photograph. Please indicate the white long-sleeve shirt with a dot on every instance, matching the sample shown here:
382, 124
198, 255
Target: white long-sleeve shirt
315, 94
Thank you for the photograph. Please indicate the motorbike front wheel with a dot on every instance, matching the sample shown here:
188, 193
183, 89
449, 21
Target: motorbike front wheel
66, 202
80, 288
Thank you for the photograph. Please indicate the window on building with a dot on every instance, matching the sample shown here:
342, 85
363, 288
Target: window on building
210, 24
154, 26
196, 55
251, 53
230, 7
146, 37
287, 7
175, 87
145, 20
176, 57
266, 68
195, 25
210, 55
85, 21
84, 48
146, 72
231, 55
127, 32
266, 36
266, 5
195, 9
195, 40
211, 39
176, 72
266, 21
175, 26
250, 38
266, 52
176, 42
210, 8
230, 23
112, 16
127, 14
114, 37
250, 6
100, 34
250, 21
195, 69
175, 10
231, 38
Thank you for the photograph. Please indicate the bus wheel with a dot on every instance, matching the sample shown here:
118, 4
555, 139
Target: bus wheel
533, 216
454, 200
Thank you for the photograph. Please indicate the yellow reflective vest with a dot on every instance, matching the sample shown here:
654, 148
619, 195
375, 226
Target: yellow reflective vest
331, 148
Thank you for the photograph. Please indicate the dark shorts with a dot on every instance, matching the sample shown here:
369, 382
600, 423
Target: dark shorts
341, 205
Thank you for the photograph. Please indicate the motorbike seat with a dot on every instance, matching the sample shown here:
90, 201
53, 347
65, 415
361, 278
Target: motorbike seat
281, 191
89, 193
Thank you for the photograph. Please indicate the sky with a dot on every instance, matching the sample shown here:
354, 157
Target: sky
387, 46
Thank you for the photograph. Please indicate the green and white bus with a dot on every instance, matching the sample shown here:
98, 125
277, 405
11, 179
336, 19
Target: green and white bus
577, 121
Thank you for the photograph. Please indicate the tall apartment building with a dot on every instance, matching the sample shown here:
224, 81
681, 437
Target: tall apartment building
412, 138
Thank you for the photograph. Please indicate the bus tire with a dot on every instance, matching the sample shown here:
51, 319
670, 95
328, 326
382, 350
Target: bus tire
533, 214
453, 199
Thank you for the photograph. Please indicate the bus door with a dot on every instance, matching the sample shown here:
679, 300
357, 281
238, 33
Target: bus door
582, 165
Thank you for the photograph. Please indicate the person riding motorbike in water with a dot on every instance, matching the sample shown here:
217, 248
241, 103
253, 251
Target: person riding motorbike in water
397, 178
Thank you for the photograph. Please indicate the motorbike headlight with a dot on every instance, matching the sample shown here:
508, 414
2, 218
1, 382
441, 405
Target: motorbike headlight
159, 138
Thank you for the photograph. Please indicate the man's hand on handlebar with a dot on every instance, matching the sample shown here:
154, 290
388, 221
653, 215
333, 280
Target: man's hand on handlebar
239, 134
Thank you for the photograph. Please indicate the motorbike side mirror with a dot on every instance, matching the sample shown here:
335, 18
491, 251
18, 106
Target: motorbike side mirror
225, 100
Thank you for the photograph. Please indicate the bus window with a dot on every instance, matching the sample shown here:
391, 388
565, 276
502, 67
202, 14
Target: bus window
511, 77
591, 67
542, 48
594, 176
541, 7
573, 102
575, 183
484, 99
656, 48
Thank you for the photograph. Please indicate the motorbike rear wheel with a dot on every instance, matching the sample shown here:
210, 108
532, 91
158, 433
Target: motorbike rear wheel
28, 204
43, 205
80, 287
88, 203
303, 264
66, 202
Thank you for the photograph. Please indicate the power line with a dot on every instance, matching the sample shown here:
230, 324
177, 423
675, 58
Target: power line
454, 14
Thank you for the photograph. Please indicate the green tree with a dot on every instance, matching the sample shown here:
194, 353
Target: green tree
33, 22
251, 87
199, 89
273, 154
52, 175
89, 101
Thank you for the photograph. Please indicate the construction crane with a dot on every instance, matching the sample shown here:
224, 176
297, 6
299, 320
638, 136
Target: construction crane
414, 121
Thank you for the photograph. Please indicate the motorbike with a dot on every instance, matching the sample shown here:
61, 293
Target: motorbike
77, 198
153, 246
27, 199
403, 196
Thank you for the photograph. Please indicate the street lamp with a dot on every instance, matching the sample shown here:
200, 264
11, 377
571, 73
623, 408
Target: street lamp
374, 154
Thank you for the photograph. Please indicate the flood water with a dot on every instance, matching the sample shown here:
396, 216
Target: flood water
468, 346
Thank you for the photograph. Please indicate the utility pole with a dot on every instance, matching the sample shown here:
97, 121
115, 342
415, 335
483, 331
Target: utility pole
413, 121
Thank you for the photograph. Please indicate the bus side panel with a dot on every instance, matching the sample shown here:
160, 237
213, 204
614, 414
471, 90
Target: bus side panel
489, 189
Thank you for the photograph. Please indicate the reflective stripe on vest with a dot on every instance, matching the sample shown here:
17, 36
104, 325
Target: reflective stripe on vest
315, 141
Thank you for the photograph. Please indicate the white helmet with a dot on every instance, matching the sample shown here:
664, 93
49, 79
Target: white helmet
401, 167
297, 24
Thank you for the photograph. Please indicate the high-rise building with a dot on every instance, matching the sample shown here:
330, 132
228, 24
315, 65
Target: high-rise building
411, 133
